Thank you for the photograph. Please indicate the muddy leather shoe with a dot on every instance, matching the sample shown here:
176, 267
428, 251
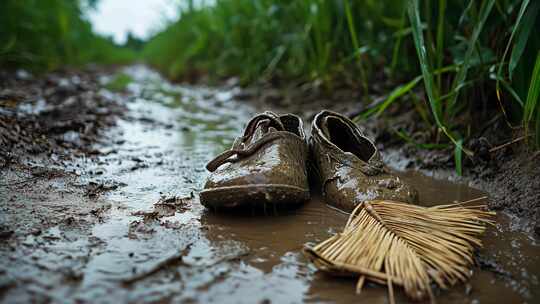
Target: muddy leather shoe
267, 165
349, 166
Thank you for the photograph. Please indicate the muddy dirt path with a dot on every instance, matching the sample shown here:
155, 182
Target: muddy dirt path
125, 224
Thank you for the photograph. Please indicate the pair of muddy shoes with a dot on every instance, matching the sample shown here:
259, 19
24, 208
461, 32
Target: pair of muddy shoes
268, 165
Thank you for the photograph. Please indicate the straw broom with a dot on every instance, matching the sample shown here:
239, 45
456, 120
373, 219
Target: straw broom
393, 243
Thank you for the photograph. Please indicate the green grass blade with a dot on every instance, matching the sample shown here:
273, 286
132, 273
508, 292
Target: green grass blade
354, 38
458, 157
516, 26
512, 92
522, 9
421, 49
397, 45
396, 93
400, 91
407, 138
420, 108
465, 12
531, 104
440, 38
461, 75
509, 88
525, 28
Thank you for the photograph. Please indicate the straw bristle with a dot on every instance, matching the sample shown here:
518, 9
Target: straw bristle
400, 244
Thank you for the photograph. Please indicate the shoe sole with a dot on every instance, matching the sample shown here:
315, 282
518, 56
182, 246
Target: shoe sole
253, 195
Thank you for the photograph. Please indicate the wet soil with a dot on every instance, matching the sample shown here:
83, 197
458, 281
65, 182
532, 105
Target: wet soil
503, 164
109, 213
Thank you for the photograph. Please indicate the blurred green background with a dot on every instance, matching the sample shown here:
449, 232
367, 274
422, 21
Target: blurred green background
465, 56
46, 34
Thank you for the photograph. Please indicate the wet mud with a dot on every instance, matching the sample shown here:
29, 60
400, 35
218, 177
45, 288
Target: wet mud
121, 220
503, 164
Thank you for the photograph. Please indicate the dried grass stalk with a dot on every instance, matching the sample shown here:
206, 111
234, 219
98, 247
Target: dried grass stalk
398, 244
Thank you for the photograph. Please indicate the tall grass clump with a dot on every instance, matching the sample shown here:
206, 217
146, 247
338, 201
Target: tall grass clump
46, 34
309, 40
478, 37
458, 61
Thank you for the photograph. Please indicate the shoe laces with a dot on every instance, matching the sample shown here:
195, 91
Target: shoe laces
259, 132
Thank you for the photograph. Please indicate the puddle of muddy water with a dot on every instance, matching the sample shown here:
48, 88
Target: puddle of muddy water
160, 149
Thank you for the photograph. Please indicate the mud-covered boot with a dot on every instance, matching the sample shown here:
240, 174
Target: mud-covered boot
267, 165
349, 166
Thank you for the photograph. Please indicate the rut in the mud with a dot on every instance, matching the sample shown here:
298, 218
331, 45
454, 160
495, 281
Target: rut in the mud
119, 219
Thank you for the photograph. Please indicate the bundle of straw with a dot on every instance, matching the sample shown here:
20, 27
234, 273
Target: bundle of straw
394, 243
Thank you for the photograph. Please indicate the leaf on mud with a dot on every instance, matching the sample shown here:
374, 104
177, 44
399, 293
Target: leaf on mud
164, 207
94, 189
181, 204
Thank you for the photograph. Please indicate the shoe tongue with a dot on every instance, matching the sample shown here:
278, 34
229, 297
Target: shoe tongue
263, 125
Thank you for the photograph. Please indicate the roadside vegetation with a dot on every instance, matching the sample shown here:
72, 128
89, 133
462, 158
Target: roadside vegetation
451, 59
461, 64
43, 35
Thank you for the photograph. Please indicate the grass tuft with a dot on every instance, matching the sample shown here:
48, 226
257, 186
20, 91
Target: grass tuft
532, 103
43, 35
464, 53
